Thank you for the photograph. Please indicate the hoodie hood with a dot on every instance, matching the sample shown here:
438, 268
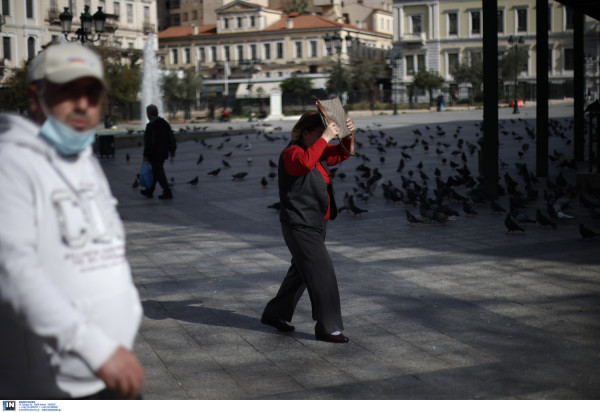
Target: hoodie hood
24, 132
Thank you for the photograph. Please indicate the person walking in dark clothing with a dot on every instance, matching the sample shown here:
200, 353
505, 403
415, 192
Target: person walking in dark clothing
159, 142
307, 203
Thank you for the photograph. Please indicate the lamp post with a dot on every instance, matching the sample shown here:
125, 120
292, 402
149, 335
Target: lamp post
515, 42
83, 33
394, 63
335, 42
250, 66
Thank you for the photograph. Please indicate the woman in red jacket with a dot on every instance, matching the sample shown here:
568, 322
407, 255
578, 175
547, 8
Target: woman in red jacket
307, 203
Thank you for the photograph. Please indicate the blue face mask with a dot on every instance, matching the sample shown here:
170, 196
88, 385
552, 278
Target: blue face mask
65, 139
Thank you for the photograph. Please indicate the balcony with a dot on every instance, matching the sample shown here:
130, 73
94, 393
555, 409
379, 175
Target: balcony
414, 38
148, 27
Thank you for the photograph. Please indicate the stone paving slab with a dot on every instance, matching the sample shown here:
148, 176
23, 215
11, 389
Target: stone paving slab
460, 310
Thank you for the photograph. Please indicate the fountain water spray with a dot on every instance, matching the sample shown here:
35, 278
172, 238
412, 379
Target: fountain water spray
151, 92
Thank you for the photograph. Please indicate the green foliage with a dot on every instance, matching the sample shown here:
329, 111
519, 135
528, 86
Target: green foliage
366, 74
13, 96
515, 59
300, 7
179, 93
300, 86
429, 81
340, 79
471, 73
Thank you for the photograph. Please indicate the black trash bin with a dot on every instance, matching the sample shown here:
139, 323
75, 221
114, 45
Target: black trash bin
106, 145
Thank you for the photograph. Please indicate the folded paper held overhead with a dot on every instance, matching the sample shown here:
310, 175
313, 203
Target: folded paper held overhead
331, 110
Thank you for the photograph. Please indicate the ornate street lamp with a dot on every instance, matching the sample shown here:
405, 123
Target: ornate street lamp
515, 42
335, 42
85, 31
394, 63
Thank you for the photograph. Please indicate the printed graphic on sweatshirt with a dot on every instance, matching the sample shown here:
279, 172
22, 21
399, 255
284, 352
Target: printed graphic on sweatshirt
87, 219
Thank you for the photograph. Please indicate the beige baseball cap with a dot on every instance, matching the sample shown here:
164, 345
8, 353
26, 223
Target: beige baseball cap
63, 63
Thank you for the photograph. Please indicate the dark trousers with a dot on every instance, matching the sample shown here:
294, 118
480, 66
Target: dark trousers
158, 170
311, 269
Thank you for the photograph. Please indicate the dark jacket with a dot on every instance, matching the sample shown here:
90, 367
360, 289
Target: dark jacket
159, 140
304, 198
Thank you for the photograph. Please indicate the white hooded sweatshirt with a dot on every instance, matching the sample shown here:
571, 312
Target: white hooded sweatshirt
67, 299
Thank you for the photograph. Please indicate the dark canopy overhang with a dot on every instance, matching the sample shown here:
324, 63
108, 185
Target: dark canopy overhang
588, 7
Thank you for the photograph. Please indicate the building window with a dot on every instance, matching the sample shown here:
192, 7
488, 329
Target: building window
416, 24
420, 62
6, 8
280, 50
185, 16
175, 20
213, 53
226, 53
569, 59
568, 18
129, 11
252, 21
313, 48
475, 22
6, 47
30, 48
452, 24
117, 9
225, 23
410, 64
253, 52
174, 57
240, 52
239, 22
298, 46
187, 54
522, 20
202, 54
500, 21
194, 14
29, 9
452, 62
267, 51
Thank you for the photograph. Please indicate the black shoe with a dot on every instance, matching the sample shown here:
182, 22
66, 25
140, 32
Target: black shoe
276, 323
326, 337
147, 193
166, 195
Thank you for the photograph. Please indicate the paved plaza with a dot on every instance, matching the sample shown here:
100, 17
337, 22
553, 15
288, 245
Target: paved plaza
455, 310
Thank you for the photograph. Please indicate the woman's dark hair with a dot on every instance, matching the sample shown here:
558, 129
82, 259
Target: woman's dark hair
308, 121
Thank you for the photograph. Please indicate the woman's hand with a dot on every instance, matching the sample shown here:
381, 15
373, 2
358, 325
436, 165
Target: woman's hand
350, 125
331, 132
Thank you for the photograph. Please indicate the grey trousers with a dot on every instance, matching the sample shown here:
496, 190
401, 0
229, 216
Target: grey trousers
313, 270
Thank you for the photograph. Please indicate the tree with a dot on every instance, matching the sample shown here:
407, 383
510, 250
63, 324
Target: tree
365, 75
297, 86
300, 7
340, 79
180, 92
13, 96
471, 73
513, 60
429, 81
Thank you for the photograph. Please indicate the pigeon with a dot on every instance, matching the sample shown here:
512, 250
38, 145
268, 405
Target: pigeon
497, 208
239, 176
264, 182
136, 182
468, 209
543, 219
586, 233
412, 218
511, 225
127, 157
214, 172
276, 206
200, 159
226, 164
194, 181
272, 164
228, 154
353, 208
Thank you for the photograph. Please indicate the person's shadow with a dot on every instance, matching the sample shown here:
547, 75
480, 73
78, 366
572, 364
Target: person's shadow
194, 311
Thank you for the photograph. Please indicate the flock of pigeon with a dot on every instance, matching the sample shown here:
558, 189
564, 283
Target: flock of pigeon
431, 180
